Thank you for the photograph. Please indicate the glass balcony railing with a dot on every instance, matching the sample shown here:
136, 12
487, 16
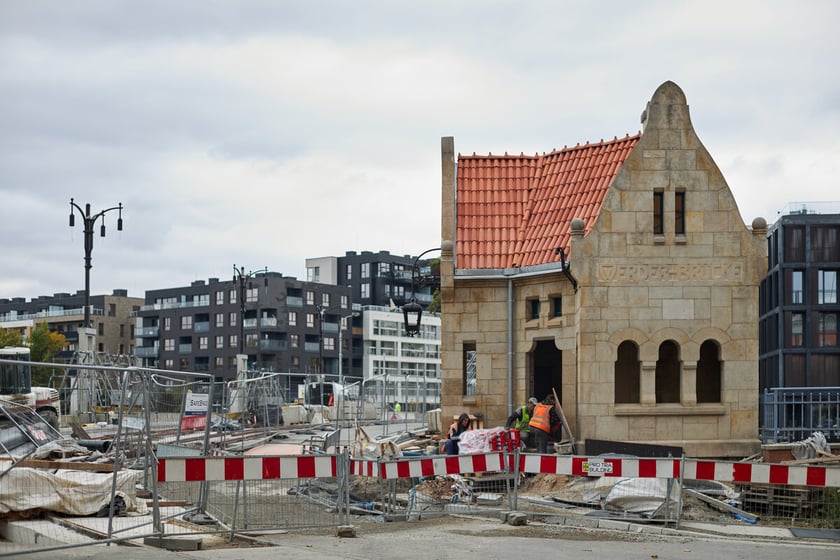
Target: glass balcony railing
268, 322
146, 351
272, 345
147, 332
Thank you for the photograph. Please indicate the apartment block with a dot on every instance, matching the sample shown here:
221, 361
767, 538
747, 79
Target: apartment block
282, 324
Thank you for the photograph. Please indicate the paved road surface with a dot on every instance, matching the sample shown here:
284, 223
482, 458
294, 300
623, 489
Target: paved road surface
466, 538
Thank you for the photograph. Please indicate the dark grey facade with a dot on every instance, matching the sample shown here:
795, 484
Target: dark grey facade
282, 324
384, 279
377, 279
798, 343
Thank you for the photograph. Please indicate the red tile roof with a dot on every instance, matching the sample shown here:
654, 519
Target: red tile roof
514, 211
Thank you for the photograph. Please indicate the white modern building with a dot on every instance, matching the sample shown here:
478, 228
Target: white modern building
398, 368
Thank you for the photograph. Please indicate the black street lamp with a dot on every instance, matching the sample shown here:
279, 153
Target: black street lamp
413, 311
321, 312
89, 221
240, 276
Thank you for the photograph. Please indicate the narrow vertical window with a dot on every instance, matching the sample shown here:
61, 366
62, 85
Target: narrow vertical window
796, 283
708, 381
679, 212
827, 335
557, 306
668, 371
533, 309
797, 321
627, 373
658, 211
469, 368
826, 286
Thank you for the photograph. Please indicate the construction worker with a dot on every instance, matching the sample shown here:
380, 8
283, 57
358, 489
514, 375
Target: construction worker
544, 417
519, 420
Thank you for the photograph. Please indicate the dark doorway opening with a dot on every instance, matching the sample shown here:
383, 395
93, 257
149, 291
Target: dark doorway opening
546, 370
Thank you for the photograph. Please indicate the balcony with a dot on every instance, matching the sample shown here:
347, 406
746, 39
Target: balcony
268, 322
294, 301
249, 323
15, 316
330, 327
201, 327
272, 345
174, 305
147, 332
185, 348
146, 351
312, 346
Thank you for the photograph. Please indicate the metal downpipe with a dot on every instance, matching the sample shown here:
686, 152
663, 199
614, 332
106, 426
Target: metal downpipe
510, 346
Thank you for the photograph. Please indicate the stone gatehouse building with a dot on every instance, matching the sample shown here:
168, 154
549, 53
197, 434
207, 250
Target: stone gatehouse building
620, 273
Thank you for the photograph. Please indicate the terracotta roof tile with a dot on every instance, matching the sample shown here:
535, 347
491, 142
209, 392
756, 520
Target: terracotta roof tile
514, 211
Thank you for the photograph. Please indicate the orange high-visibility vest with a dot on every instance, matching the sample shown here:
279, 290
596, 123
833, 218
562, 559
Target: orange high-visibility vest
541, 419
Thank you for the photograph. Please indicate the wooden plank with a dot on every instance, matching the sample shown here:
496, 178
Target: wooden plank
69, 465
563, 419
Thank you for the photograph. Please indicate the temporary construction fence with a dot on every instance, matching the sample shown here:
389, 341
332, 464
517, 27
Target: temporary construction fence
241, 494
662, 490
159, 467
258, 493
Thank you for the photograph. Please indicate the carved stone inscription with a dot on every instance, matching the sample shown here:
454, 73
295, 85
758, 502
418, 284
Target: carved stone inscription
636, 273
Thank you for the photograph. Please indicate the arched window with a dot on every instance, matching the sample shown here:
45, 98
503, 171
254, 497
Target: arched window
708, 373
627, 388
668, 373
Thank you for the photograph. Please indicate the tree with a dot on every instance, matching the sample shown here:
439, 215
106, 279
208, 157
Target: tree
43, 346
10, 337
434, 306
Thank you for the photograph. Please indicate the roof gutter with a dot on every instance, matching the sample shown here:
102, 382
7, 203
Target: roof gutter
508, 273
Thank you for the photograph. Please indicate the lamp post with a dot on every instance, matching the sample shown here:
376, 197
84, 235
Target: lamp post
89, 221
412, 311
321, 312
341, 329
241, 277
340, 400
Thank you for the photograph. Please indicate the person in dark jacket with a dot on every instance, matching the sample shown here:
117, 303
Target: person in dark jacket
455, 430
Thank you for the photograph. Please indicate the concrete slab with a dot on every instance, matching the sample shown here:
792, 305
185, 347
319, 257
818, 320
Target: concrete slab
742, 530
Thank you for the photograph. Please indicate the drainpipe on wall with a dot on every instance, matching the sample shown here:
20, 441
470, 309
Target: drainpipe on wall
510, 346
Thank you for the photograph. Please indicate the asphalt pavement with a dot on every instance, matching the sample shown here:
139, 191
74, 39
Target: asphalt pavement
466, 537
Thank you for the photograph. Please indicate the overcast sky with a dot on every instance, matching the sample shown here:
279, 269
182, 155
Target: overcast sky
260, 133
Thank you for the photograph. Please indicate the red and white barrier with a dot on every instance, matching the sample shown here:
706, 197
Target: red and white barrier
430, 466
200, 469
696, 469
599, 466
797, 475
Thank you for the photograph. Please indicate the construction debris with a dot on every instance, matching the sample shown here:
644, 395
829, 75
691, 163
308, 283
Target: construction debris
809, 448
